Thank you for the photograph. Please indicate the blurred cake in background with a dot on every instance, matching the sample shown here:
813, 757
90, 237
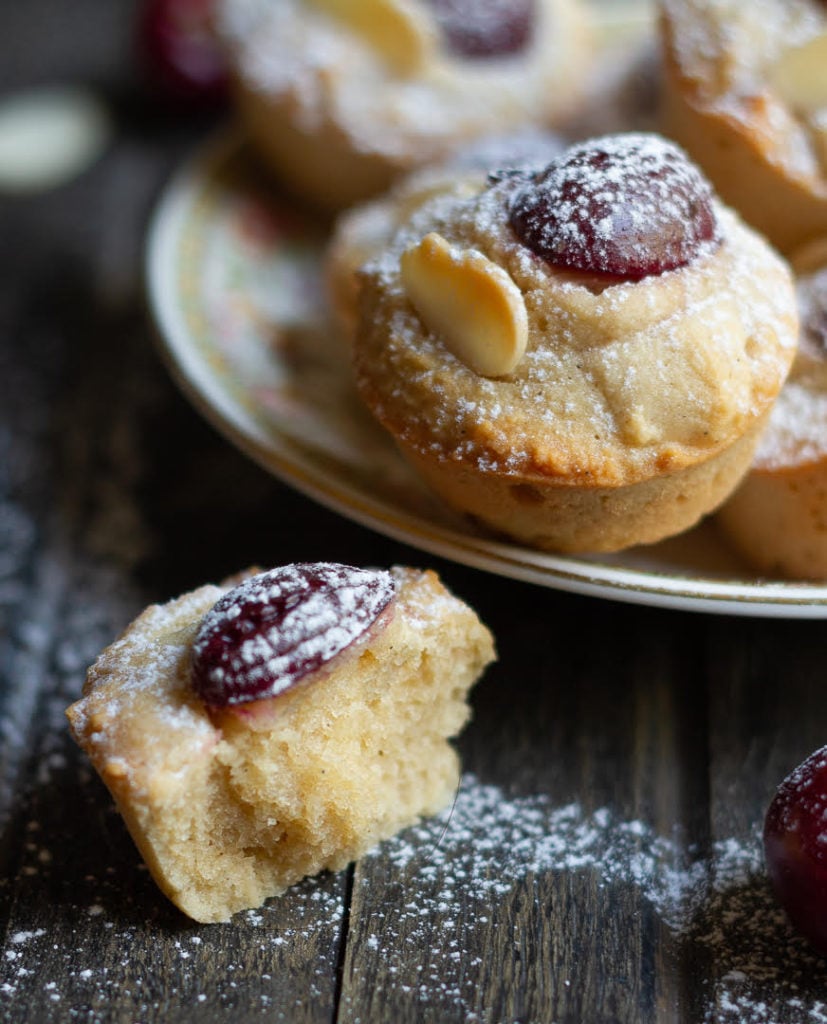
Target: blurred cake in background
343, 98
745, 92
778, 516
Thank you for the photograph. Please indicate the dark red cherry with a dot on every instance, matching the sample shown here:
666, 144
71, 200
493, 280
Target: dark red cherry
486, 28
179, 56
276, 628
795, 847
626, 205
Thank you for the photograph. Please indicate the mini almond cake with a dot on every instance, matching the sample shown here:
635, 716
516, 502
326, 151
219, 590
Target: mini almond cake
745, 91
343, 97
778, 516
255, 734
581, 358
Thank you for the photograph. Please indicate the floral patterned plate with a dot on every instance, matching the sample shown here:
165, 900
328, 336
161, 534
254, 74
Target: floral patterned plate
235, 284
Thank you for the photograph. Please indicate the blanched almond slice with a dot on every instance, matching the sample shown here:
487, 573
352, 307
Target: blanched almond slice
469, 302
799, 76
396, 29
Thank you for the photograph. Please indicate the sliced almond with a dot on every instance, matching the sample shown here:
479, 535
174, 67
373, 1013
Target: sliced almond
472, 304
397, 29
799, 76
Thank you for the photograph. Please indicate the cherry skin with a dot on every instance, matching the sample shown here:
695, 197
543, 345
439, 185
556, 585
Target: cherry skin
795, 848
179, 57
485, 28
279, 627
629, 206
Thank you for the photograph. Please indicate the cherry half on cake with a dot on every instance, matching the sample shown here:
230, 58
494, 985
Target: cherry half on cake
630, 206
795, 847
281, 626
485, 28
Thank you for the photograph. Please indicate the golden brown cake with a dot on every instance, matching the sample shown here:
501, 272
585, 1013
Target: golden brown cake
745, 91
255, 734
583, 358
778, 516
343, 98
364, 231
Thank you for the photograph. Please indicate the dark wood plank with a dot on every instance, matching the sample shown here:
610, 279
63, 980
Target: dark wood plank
610, 728
767, 712
602, 860
86, 933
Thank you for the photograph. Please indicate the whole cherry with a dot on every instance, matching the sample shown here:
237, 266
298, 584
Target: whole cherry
178, 54
629, 205
795, 847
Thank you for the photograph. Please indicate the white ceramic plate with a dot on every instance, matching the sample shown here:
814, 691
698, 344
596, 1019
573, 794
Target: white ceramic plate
235, 285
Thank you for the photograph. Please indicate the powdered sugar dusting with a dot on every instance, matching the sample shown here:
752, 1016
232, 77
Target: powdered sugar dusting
727, 50
744, 38
465, 866
449, 888
797, 430
614, 370
155, 649
629, 204
328, 76
280, 626
489, 844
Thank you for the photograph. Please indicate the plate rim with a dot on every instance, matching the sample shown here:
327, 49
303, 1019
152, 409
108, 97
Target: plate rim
759, 597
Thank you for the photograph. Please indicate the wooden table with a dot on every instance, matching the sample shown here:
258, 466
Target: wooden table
602, 862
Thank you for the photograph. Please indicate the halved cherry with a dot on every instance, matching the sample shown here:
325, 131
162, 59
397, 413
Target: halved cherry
625, 205
279, 627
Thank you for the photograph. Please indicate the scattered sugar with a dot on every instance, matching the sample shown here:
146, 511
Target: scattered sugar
463, 866
18, 938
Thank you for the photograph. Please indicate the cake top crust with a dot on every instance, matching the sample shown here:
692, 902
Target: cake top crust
620, 380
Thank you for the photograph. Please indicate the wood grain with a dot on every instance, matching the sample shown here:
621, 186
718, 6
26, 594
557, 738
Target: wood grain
113, 493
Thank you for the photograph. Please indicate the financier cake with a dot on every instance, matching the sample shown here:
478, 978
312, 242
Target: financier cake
256, 733
342, 97
583, 357
777, 518
745, 91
